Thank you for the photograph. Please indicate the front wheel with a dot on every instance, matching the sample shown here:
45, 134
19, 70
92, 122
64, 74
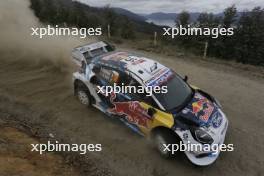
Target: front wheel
163, 140
159, 141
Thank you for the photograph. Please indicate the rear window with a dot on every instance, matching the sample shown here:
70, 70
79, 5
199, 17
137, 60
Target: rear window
87, 55
97, 52
109, 48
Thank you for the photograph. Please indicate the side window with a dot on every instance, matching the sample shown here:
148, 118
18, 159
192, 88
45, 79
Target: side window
105, 74
135, 91
97, 52
108, 75
139, 94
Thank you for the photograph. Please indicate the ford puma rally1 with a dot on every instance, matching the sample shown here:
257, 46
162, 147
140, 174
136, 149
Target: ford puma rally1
183, 115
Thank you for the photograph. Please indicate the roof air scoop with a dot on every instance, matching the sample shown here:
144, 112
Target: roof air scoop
140, 71
154, 67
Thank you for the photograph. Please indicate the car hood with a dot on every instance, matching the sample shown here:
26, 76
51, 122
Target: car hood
201, 111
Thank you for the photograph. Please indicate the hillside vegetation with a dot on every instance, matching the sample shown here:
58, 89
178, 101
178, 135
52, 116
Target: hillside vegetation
245, 46
72, 13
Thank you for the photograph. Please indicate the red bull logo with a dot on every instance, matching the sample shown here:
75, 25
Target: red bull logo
198, 106
204, 106
133, 111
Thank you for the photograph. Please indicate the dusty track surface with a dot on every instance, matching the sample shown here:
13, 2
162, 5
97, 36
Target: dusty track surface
35, 87
15, 158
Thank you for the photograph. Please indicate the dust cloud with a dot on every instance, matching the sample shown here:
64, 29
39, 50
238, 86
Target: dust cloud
17, 43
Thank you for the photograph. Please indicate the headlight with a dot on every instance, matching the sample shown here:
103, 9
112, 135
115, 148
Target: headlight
203, 137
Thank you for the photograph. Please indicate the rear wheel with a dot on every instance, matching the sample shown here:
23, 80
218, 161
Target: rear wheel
83, 95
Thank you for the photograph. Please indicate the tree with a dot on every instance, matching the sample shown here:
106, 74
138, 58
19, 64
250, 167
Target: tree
224, 47
230, 15
127, 30
207, 20
110, 19
36, 6
183, 19
250, 43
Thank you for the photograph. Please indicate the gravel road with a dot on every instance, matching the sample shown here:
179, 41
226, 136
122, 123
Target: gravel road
35, 75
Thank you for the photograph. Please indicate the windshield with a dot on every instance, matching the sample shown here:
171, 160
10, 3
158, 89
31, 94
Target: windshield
178, 93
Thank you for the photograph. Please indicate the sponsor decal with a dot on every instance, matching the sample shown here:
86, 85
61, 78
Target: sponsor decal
197, 107
122, 59
217, 120
115, 57
134, 60
156, 76
185, 111
185, 136
132, 110
202, 108
160, 80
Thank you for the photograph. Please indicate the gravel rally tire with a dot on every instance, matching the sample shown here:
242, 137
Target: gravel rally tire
84, 96
161, 137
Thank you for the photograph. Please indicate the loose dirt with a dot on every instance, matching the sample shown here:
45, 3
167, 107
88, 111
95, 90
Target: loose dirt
16, 157
36, 88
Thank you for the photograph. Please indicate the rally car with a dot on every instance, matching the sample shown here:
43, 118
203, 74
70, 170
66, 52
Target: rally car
183, 114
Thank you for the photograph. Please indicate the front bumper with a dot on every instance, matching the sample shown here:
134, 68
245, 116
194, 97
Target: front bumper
201, 158
204, 159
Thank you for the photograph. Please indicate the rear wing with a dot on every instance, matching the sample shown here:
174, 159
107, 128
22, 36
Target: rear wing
87, 52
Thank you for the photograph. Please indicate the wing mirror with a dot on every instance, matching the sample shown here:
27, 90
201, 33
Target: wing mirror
96, 69
185, 78
151, 112
113, 47
93, 80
